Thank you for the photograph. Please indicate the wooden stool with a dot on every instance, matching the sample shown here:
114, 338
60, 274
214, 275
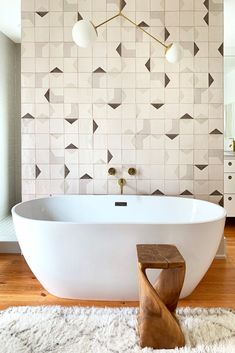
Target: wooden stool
158, 327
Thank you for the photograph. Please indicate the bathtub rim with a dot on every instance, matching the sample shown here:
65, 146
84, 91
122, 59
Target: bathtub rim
210, 220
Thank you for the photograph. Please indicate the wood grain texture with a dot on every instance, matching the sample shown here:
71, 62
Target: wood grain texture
229, 230
159, 256
158, 327
18, 285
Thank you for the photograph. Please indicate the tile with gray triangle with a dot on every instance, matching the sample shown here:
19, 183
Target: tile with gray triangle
206, 4
138, 141
216, 193
37, 171
158, 193
166, 34
117, 94
216, 132
197, 100
28, 116
114, 105
198, 94
119, 49
206, 18
118, 3
70, 6
167, 80
41, 79
187, 173
201, 166
186, 193
124, 51
172, 128
215, 5
47, 95
122, 4
42, 13
40, 48
210, 79
109, 156
172, 136
221, 49
86, 176
99, 70
29, 17
186, 116
71, 146
157, 105
55, 97
72, 110
71, 121
196, 49
159, 77
95, 126
66, 171
97, 79
56, 70
157, 18
148, 65
79, 17
216, 155
56, 159
145, 129
143, 24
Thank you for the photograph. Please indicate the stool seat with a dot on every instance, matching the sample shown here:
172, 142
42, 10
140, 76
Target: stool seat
157, 324
159, 256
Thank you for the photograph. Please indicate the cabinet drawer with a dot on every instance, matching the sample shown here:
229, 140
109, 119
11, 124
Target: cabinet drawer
229, 204
229, 165
229, 183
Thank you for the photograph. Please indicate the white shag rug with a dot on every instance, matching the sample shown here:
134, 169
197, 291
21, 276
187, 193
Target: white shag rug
58, 329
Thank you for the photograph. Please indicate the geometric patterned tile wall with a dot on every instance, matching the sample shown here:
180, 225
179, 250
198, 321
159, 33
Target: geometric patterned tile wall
120, 103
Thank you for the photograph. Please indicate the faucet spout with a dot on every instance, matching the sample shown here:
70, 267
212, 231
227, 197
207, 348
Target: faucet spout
121, 183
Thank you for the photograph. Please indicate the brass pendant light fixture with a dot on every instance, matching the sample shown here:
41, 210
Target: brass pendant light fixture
85, 34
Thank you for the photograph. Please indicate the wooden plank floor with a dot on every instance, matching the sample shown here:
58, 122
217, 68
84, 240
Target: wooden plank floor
18, 286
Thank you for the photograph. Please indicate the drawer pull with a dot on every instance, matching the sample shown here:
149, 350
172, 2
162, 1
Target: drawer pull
230, 163
230, 198
230, 177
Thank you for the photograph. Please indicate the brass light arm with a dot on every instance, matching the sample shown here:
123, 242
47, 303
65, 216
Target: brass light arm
135, 24
85, 33
110, 19
143, 30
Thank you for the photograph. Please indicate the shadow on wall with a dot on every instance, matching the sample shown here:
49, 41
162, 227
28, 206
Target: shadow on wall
9, 124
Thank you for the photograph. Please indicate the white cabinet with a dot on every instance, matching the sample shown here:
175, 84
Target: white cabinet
229, 183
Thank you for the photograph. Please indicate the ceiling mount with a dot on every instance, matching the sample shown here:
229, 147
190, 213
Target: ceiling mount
85, 33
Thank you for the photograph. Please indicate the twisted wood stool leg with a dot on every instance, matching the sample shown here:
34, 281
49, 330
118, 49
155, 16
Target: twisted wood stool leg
158, 328
168, 286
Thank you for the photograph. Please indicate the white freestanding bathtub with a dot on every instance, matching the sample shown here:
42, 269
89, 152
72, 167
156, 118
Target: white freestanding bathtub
84, 246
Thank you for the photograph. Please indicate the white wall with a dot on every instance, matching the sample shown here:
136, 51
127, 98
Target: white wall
229, 87
9, 124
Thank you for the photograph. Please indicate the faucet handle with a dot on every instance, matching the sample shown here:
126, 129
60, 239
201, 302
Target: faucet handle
132, 171
112, 171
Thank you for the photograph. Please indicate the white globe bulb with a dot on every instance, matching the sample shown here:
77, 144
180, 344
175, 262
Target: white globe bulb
174, 53
84, 33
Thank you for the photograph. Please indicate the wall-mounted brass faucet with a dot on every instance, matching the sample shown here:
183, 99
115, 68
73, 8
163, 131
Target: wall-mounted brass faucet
121, 183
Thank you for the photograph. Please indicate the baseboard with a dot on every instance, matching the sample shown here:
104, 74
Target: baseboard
9, 247
220, 257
